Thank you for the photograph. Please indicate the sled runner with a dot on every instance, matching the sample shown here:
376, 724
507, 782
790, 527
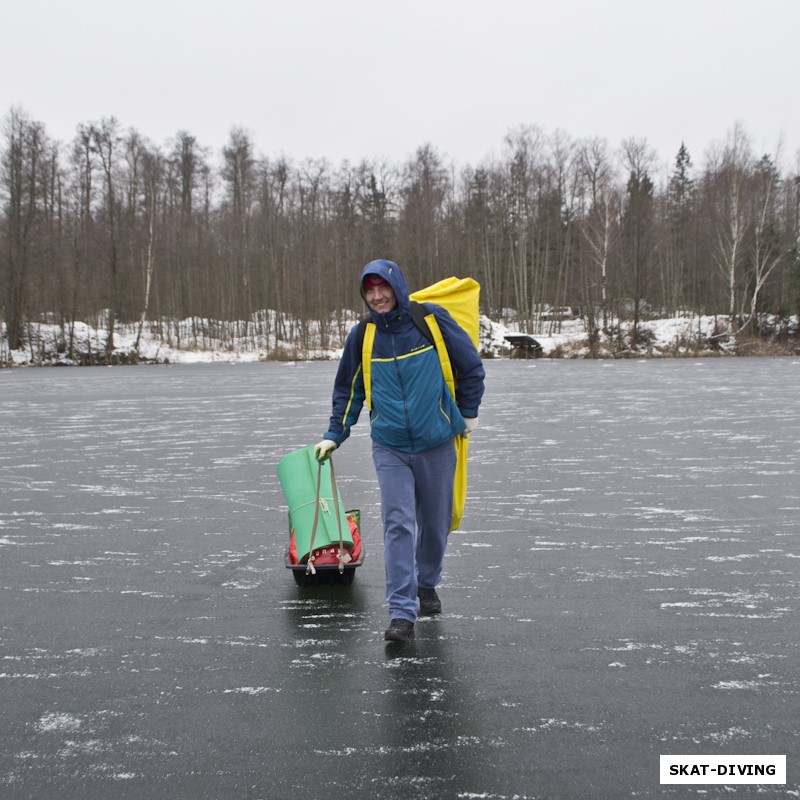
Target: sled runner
324, 539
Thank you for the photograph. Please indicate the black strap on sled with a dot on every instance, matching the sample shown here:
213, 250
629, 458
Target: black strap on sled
343, 555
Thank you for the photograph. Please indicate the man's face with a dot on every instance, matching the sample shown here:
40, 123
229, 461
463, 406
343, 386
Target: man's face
380, 298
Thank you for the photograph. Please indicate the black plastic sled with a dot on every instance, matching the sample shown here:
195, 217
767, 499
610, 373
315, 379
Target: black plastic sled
326, 567
327, 574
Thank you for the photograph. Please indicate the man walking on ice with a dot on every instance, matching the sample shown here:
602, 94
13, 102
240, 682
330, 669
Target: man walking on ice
414, 421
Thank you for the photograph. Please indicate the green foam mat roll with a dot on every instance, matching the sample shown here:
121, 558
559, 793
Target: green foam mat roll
297, 473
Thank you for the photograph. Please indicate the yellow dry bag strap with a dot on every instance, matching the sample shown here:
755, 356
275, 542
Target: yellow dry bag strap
366, 362
461, 442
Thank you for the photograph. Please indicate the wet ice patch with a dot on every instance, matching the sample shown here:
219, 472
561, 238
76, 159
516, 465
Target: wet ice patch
547, 545
316, 660
731, 734
739, 557
553, 724
743, 685
709, 600
311, 643
242, 584
72, 526
86, 652
54, 721
108, 491
629, 646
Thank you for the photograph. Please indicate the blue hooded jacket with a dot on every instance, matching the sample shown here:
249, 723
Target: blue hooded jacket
412, 408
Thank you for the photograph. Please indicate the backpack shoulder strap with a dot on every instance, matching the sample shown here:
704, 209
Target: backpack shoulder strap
419, 316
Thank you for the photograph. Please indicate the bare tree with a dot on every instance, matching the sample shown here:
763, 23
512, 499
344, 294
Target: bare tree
479, 225
152, 179
795, 243
638, 221
377, 205
105, 141
19, 179
80, 197
425, 188
525, 147
561, 223
187, 238
238, 174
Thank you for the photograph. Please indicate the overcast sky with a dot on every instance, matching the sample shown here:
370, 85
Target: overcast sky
353, 79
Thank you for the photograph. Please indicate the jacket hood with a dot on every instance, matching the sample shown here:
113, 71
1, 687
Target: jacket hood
391, 273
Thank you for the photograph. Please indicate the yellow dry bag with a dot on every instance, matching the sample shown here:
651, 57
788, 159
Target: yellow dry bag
461, 297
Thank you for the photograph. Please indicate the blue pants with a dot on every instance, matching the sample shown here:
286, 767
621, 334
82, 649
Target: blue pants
416, 507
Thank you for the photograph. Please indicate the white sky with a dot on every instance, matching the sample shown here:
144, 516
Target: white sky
353, 79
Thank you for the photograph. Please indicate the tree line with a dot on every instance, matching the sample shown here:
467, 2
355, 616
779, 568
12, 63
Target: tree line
113, 228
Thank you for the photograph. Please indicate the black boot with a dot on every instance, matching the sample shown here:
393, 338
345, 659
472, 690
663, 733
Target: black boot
399, 630
429, 602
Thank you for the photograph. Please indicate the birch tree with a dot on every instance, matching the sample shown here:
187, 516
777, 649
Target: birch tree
598, 226
767, 249
152, 169
731, 176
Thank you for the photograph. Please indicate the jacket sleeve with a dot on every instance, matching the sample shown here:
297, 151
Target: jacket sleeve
348, 391
465, 360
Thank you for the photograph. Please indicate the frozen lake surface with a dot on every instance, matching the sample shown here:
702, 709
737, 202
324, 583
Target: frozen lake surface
626, 584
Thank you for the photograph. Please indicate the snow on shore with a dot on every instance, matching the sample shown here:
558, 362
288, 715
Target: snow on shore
179, 342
